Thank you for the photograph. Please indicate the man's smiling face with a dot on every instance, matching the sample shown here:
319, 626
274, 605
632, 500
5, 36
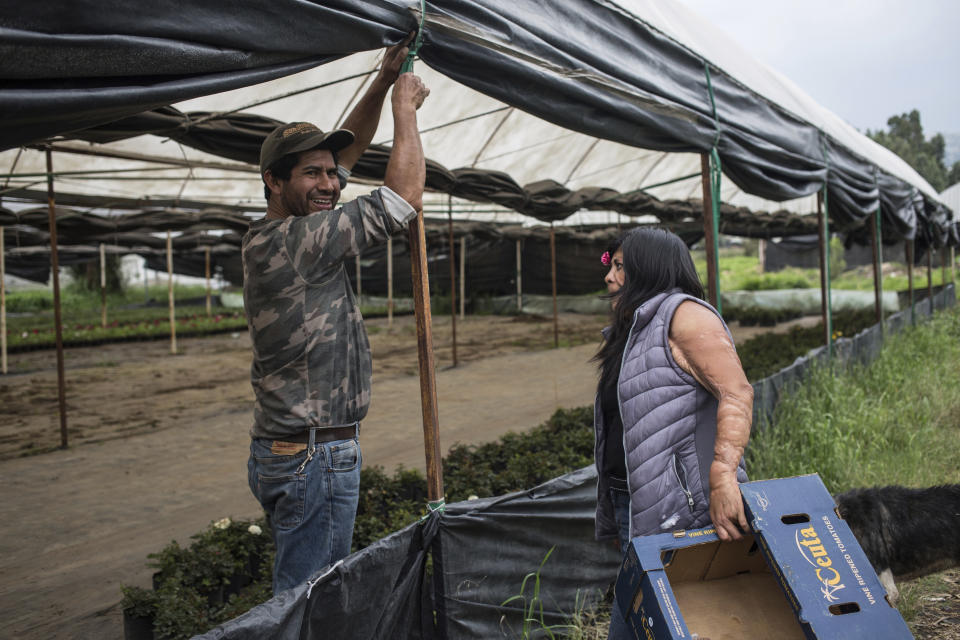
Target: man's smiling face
313, 185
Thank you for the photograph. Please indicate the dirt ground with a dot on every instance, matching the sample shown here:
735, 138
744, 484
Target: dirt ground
158, 446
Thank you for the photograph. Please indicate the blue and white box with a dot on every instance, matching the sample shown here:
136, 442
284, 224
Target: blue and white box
799, 574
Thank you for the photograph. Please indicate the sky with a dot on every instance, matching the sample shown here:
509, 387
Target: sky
864, 60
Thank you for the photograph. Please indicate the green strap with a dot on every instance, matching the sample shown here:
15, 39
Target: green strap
879, 267
415, 48
434, 506
826, 246
716, 176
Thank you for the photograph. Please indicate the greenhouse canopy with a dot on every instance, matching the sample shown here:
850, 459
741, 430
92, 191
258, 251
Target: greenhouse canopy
543, 108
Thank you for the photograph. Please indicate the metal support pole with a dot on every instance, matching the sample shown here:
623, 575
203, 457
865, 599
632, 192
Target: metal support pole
390, 281
943, 266
453, 280
553, 285
170, 301
57, 318
709, 241
3, 304
875, 244
103, 286
520, 276
207, 274
824, 244
428, 381
463, 278
908, 253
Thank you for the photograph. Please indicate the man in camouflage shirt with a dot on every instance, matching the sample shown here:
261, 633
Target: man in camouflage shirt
311, 356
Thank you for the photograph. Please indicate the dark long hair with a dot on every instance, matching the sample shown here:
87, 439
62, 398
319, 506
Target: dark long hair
654, 261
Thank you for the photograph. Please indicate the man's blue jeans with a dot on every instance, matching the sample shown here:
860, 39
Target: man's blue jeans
311, 504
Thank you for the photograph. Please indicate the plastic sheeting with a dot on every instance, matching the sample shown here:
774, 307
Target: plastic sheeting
538, 91
480, 549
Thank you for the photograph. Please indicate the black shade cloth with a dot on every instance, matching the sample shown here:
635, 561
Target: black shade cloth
588, 66
71, 65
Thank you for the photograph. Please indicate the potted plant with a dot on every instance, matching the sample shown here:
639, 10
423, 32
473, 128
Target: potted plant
139, 610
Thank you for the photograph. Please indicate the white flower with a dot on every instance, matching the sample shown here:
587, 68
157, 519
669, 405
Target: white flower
222, 523
472, 497
24, 334
254, 529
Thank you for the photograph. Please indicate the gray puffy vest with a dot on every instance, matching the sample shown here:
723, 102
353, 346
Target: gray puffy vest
669, 428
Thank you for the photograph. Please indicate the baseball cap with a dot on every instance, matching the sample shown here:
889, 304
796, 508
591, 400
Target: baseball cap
300, 136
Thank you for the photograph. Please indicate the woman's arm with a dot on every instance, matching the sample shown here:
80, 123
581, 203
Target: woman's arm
700, 345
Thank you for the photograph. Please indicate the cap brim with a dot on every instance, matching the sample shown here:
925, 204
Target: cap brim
333, 140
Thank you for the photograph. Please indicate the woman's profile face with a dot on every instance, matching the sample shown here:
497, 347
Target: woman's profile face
614, 277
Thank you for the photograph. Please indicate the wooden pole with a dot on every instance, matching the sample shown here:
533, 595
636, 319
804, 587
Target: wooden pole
877, 269
428, 381
930, 277
170, 301
519, 277
463, 279
824, 274
3, 304
708, 238
206, 270
359, 284
908, 252
390, 281
553, 285
57, 318
453, 282
103, 286
953, 263
943, 266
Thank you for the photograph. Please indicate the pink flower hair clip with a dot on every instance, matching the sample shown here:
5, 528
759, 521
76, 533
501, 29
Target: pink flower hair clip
605, 258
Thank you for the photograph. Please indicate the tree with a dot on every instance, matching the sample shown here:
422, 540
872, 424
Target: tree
905, 138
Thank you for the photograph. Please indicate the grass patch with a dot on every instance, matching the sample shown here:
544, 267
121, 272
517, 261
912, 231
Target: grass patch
739, 272
896, 421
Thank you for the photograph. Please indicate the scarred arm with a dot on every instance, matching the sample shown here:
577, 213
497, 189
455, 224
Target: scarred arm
701, 346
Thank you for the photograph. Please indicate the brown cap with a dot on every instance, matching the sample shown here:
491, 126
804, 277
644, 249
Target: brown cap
300, 136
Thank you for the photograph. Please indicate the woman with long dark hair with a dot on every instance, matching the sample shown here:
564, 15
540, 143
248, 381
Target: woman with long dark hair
674, 408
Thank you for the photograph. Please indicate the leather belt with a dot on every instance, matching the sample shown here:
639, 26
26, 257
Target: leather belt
324, 434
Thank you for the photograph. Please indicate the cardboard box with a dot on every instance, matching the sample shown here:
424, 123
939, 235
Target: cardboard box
800, 574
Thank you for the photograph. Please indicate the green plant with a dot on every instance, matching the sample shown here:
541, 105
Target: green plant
138, 602
786, 279
228, 566
837, 262
533, 618
181, 612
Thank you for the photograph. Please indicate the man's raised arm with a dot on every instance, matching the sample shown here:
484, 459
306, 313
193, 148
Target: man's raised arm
406, 170
365, 117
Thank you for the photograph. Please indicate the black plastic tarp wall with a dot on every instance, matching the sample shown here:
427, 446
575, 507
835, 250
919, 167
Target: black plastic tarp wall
481, 550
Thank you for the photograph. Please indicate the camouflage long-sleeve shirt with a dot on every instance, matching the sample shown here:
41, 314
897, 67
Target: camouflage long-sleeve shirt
311, 356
